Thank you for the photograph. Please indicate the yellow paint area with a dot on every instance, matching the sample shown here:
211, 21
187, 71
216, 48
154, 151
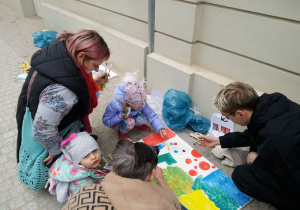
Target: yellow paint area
197, 200
178, 180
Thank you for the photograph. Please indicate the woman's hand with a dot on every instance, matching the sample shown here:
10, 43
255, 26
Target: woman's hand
100, 77
209, 141
49, 159
251, 157
158, 175
162, 133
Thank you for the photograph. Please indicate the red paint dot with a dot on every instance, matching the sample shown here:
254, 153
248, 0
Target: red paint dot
175, 143
188, 161
195, 167
195, 159
196, 154
192, 172
204, 165
213, 166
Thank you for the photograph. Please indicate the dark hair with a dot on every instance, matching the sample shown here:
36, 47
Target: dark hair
134, 160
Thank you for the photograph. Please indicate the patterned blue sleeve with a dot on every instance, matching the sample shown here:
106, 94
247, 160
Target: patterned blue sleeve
55, 102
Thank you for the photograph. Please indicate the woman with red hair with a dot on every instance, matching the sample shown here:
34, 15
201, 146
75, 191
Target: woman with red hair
60, 91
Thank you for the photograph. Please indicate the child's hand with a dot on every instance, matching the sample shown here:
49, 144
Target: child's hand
162, 133
126, 115
49, 159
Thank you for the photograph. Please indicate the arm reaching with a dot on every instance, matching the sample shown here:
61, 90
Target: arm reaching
209, 141
162, 133
158, 175
100, 78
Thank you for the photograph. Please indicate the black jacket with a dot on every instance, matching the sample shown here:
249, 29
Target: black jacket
54, 65
274, 133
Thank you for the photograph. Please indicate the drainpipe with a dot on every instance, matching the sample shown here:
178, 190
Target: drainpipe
151, 21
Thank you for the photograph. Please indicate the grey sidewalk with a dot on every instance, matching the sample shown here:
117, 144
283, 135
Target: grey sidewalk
16, 44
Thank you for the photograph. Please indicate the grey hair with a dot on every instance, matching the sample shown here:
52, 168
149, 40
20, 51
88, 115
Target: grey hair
235, 96
134, 160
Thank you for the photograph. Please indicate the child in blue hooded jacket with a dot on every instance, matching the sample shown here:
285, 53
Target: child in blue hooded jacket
129, 109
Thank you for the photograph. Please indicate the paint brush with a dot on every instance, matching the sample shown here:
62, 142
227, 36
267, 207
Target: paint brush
126, 114
110, 67
105, 75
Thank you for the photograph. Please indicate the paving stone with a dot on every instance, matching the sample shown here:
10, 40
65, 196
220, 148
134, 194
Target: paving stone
10, 173
5, 186
4, 130
17, 202
8, 148
9, 134
17, 191
44, 200
11, 163
15, 180
5, 123
3, 159
12, 154
55, 205
2, 168
30, 206
8, 141
30, 195
4, 207
4, 197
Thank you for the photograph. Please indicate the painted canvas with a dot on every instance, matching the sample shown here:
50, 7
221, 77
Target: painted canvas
197, 183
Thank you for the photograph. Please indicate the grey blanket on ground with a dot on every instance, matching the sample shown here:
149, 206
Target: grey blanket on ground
231, 156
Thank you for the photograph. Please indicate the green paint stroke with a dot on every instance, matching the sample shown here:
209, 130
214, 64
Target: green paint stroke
178, 180
216, 195
166, 158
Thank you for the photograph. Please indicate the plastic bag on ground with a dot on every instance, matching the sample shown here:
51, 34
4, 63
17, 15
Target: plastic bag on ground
177, 115
42, 38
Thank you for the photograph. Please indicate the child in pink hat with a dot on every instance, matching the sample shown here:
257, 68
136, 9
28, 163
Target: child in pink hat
129, 109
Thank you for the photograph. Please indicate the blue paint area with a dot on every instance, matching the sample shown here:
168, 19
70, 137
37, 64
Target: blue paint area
183, 207
171, 143
175, 151
216, 195
222, 181
161, 146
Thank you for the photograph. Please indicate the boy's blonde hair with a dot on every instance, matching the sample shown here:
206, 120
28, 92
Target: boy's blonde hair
235, 96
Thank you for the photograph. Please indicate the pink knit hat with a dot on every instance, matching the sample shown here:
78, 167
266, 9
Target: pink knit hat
135, 94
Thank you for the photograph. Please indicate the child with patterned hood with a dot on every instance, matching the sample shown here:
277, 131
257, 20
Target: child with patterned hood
129, 109
81, 163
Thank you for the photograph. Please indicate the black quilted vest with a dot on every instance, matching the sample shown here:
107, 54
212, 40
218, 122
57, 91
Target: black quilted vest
54, 65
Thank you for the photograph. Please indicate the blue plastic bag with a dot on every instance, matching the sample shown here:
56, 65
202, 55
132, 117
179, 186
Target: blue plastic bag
177, 115
42, 38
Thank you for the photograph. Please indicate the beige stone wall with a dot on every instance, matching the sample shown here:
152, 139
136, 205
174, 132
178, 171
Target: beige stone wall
200, 46
23, 8
254, 42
